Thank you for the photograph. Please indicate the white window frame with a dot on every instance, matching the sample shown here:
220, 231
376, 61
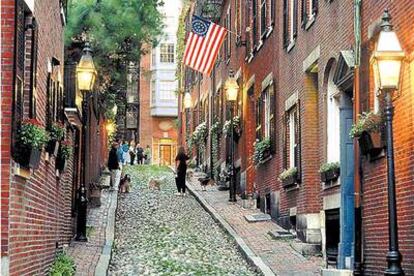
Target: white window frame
170, 56
292, 138
291, 16
267, 116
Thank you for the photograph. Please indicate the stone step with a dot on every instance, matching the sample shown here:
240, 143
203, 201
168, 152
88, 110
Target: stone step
306, 249
336, 272
278, 235
257, 217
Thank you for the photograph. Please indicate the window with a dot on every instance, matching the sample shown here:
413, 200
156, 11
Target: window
33, 68
227, 42
254, 21
265, 126
263, 18
153, 89
238, 17
167, 52
309, 11
292, 154
167, 91
290, 28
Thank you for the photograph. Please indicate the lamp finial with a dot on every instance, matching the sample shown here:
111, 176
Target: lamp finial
385, 22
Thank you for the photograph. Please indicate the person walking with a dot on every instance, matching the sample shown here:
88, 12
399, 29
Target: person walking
132, 152
114, 166
125, 153
140, 154
181, 170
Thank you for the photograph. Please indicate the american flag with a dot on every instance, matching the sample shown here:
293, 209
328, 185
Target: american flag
203, 44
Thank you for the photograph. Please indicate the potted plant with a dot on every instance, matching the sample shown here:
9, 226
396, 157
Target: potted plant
329, 171
261, 150
31, 138
56, 133
368, 131
65, 151
289, 177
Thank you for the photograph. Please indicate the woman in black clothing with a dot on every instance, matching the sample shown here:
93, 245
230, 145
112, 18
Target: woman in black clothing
181, 169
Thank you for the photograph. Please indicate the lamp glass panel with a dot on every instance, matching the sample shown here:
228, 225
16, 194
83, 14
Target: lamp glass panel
232, 93
187, 100
388, 42
85, 79
389, 73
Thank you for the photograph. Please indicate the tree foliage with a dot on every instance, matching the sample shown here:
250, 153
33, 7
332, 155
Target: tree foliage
119, 31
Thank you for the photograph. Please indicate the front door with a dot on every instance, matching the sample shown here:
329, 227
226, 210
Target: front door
165, 155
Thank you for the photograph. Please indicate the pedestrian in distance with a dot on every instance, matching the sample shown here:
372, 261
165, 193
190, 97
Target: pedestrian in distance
132, 152
114, 166
125, 153
147, 155
140, 154
120, 153
181, 170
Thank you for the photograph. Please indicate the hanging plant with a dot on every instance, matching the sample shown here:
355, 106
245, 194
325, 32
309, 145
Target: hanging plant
65, 150
215, 128
199, 134
261, 150
367, 122
236, 126
56, 131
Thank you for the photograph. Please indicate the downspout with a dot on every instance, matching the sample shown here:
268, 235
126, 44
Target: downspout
212, 91
357, 157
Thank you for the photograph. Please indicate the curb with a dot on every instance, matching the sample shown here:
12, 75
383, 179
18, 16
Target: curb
102, 266
246, 251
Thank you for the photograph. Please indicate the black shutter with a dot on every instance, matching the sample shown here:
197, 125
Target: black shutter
295, 18
263, 17
285, 129
272, 11
258, 118
304, 15
248, 24
254, 8
33, 68
315, 7
285, 24
272, 124
298, 154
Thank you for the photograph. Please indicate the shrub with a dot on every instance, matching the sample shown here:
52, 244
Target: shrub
32, 134
367, 122
65, 150
63, 266
288, 173
330, 166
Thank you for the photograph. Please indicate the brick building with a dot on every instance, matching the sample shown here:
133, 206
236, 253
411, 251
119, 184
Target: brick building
158, 93
38, 211
301, 86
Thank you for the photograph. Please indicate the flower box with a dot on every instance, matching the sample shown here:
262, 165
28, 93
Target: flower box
289, 177
29, 158
60, 164
332, 175
371, 143
289, 181
52, 147
329, 171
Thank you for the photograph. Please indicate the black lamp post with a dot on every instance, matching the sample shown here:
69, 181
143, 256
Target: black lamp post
85, 74
232, 89
387, 59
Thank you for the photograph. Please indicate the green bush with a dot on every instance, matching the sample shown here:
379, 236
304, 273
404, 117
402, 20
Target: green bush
63, 266
330, 166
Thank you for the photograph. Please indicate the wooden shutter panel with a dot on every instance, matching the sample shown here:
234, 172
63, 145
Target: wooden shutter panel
295, 18
33, 69
298, 154
272, 124
304, 14
258, 117
285, 24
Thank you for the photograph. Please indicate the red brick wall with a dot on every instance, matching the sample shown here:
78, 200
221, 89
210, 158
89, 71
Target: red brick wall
36, 211
7, 57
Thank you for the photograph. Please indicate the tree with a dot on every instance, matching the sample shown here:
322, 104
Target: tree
118, 31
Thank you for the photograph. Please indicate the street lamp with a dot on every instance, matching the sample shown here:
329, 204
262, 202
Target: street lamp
187, 101
387, 59
115, 109
232, 89
86, 75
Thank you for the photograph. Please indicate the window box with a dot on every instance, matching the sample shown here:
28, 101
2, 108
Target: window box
60, 164
289, 177
371, 144
52, 147
329, 172
29, 158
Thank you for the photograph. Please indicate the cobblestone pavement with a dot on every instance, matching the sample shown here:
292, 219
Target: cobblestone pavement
86, 254
277, 254
159, 233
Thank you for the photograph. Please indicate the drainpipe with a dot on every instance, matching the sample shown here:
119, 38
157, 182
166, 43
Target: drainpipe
212, 91
357, 157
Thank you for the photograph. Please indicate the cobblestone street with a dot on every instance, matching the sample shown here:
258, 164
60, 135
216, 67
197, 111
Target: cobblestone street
159, 233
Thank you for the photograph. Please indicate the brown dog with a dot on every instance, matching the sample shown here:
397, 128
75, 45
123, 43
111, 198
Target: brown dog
154, 184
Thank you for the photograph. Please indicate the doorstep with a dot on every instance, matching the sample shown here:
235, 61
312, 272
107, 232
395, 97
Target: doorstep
336, 272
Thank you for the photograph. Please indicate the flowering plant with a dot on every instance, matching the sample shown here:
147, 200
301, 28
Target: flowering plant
200, 133
330, 166
215, 128
292, 172
236, 125
56, 131
32, 134
260, 150
65, 150
367, 122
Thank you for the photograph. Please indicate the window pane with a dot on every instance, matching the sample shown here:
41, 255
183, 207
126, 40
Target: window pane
167, 52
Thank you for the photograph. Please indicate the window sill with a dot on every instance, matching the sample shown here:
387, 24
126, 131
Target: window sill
21, 172
292, 188
228, 61
264, 161
249, 57
310, 22
291, 45
332, 185
260, 45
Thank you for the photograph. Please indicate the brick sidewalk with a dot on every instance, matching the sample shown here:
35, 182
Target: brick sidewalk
87, 254
277, 254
